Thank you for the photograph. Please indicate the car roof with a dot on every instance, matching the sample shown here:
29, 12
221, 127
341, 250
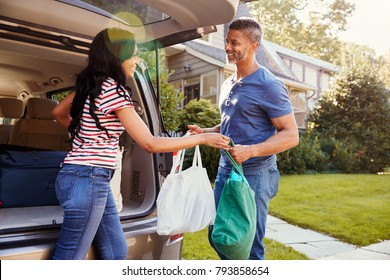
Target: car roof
37, 37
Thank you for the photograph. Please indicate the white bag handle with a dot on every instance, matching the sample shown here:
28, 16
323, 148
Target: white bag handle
197, 160
179, 160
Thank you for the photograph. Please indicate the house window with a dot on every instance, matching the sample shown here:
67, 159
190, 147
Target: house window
209, 84
298, 101
191, 92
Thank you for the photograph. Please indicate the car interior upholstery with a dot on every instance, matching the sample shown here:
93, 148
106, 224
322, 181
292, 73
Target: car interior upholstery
11, 110
38, 129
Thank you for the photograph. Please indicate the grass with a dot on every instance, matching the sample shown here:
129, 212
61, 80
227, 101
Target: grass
353, 208
197, 247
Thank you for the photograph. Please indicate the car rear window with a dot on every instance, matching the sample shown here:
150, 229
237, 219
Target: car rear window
131, 12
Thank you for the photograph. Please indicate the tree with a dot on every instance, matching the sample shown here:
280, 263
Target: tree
317, 37
170, 99
387, 68
355, 113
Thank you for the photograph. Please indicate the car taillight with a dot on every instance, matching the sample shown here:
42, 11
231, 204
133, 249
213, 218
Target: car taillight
175, 238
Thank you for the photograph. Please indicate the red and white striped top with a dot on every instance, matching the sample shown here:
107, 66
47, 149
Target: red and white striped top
92, 146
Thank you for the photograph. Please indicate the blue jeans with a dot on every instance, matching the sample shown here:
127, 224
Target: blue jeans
90, 214
264, 180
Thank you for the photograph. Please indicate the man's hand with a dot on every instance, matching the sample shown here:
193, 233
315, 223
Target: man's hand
240, 153
194, 129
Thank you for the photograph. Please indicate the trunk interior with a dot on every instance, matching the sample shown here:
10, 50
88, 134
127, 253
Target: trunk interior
137, 189
138, 185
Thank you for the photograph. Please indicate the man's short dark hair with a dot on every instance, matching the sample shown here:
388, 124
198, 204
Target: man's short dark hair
248, 26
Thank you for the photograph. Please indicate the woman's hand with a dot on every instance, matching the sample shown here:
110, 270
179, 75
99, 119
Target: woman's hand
216, 140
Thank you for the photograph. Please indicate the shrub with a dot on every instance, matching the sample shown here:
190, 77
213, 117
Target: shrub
203, 113
307, 157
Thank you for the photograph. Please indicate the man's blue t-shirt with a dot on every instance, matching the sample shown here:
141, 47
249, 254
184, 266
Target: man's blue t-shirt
247, 107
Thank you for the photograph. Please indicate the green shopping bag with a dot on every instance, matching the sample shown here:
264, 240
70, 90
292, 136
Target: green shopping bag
235, 222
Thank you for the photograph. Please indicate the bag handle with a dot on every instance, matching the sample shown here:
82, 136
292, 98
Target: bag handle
197, 160
178, 162
237, 166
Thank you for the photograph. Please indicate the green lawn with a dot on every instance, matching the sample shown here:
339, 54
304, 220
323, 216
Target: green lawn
353, 208
197, 247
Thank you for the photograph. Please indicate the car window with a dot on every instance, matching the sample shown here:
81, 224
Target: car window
131, 12
59, 95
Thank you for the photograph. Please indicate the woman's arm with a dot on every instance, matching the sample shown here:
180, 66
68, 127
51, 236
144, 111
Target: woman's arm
61, 112
138, 130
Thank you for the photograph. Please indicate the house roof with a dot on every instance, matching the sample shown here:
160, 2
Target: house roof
276, 50
268, 55
207, 50
217, 57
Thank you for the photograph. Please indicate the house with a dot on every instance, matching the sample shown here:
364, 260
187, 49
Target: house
200, 67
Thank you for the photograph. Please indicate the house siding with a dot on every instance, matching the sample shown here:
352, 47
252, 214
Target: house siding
198, 66
218, 38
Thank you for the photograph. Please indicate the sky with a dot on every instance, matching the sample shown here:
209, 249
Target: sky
370, 25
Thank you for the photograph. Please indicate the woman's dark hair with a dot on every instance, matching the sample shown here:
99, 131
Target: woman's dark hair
108, 50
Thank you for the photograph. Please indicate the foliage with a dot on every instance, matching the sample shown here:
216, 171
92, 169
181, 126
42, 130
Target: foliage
205, 114
305, 158
170, 99
345, 159
201, 112
355, 113
60, 95
317, 37
386, 66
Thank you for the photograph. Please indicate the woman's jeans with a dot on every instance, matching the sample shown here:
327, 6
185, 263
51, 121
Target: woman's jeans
264, 181
90, 214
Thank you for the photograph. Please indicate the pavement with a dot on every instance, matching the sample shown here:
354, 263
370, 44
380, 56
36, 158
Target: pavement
318, 246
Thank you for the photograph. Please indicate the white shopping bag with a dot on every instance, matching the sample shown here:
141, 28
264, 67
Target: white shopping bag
186, 200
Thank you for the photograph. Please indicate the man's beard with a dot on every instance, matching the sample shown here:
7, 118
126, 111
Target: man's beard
235, 57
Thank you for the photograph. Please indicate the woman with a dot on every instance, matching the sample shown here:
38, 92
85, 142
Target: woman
96, 114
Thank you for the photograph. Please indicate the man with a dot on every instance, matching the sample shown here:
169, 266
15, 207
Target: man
256, 114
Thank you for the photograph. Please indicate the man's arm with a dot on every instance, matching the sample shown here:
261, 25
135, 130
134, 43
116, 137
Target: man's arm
285, 138
195, 129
